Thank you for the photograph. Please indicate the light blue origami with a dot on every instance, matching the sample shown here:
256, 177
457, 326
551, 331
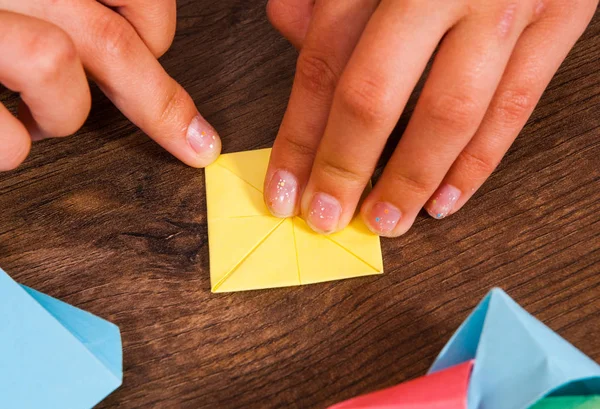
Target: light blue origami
53, 355
518, 360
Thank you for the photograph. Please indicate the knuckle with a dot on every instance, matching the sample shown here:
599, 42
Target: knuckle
476, 164
171, 105
415, 184
452, 112
50, 52
299, 147
316, 73
365, 100
515, 105
116, 36
340, 171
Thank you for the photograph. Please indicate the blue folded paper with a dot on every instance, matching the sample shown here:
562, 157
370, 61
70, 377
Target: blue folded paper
518, 360
53, 355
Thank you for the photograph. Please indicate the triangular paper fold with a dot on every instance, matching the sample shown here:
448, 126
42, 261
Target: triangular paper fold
236, 197
250, 166
230, 249
446, 389
518, 359
253, 273
100, 337
322, 258
358, 240
53, 355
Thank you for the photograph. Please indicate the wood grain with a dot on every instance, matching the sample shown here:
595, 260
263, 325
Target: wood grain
109, 222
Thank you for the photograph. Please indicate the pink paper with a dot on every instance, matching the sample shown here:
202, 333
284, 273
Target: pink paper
446, 389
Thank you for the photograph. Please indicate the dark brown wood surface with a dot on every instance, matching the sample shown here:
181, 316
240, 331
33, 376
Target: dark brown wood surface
109, 222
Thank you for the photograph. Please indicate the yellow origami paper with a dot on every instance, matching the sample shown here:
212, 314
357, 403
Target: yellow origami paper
250, 249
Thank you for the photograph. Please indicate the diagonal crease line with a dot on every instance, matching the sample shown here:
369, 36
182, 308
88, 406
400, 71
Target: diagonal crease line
358, 257
232, 270
239, 177
296, 251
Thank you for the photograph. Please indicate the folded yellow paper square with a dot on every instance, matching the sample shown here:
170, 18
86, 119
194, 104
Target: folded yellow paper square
250, 249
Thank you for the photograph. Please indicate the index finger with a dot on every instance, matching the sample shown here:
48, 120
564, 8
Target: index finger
334, 30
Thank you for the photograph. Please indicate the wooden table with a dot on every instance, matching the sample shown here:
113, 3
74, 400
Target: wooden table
109, 222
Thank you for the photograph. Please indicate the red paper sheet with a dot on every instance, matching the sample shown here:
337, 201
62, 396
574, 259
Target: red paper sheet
446, 389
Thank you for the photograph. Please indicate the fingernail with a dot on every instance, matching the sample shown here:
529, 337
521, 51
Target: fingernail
203, 139
383, 218
324, 213
281, 194
443, 201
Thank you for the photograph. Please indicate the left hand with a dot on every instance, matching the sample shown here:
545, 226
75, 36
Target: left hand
48, 47
360, 61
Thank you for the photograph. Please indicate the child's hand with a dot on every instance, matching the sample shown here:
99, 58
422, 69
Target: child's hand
358, 64
47, 44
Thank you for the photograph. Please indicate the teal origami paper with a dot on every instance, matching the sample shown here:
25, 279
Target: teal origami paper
518, 360
53, 355
569, 402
